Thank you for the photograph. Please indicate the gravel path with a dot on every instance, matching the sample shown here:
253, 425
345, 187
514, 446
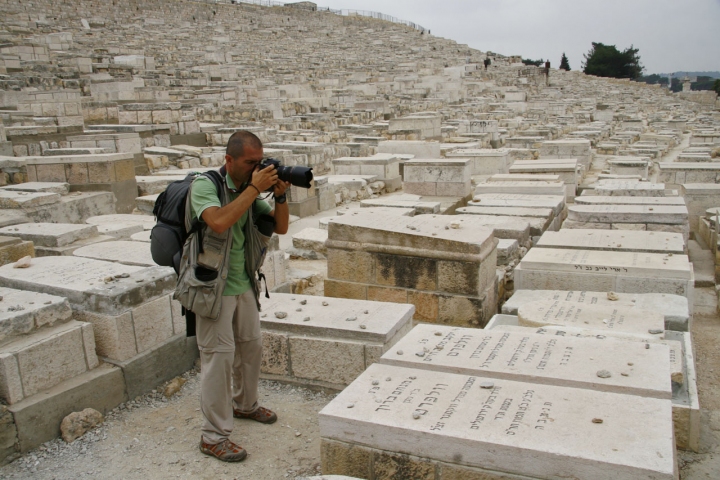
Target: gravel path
154, 437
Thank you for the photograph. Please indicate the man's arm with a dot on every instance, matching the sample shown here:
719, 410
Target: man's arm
219, 219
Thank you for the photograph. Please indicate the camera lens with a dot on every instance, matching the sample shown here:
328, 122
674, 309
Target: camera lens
297, 175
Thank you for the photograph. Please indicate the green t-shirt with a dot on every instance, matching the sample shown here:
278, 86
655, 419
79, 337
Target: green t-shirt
204, 195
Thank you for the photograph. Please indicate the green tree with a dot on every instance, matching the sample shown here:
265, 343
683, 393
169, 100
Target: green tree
716, 86
537, 63
564, 64
607, 61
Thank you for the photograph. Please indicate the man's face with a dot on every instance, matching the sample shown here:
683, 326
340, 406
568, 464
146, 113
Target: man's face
240, 169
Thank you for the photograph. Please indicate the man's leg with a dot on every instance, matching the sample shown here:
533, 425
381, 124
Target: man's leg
217, 347
248, 353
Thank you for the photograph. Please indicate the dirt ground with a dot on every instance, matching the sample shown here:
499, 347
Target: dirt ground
157, 438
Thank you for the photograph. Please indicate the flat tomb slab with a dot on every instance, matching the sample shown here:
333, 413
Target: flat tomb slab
61, 188
51, 234
517, 228
607, 200
327, 341
22, 312
651, 265
530, 188
535, 358
126, 252
334, 317
614, 319
421, 232
106, 287
614, 240
674, 308
554, 202
545, 213
629, 188
668, 215
13, 199
147, 221
534, 430
389, 202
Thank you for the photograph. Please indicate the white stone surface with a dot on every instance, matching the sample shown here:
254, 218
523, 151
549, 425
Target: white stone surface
555, 202
674, 308
534, 358
125, 252
51, 234
21, 312
605, 318
526, 429
614, 240
670, 215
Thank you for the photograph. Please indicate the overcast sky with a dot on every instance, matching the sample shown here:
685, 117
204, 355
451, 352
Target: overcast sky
672, 35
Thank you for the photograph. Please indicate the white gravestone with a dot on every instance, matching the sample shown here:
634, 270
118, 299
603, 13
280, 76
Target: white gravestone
674, 308
513, 427
629, 272
534, 358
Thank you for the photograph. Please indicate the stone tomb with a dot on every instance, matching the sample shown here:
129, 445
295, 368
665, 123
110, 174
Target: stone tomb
33, 363
650, 201
113, 172
55, 238
23, 312
685, 401
605, 318
634, 214
674, 308
699, 197
536, 431
533, 358
620, 188
327, 341
484, 161
385, 166
126, 252
13, 249
443, 266
615, 240
491, 200
438, 177
526, 188
629, 272
129, 306
509, 226
630, 217
48, 368
567, 171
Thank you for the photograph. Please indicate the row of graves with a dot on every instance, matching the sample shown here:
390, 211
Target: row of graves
476, 188
588, 372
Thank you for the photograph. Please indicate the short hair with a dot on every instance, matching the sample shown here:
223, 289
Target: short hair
239, 140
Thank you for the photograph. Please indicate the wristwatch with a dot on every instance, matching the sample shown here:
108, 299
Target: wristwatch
281, 199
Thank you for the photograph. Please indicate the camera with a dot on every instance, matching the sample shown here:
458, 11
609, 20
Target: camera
297, 175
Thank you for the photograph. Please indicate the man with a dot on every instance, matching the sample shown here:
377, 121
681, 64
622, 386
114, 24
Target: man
231, 346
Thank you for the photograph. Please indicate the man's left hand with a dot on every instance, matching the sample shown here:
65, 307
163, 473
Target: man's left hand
280, 187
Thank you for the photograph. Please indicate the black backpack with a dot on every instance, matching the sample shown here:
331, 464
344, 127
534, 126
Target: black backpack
168, 235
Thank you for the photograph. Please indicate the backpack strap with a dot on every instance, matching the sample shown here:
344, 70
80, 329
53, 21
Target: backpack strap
197, 224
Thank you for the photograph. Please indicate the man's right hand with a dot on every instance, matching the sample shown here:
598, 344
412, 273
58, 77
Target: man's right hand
265, 178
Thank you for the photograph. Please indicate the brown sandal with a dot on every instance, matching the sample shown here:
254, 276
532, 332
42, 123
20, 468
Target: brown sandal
261, 414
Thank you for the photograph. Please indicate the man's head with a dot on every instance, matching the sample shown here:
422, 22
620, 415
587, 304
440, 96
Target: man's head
244, 153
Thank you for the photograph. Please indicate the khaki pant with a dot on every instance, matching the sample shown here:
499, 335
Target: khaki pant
230, 352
